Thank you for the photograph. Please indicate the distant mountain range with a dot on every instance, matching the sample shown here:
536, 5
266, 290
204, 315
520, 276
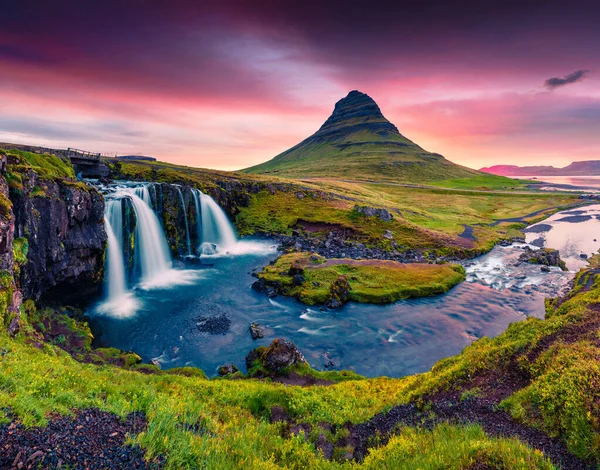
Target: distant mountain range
587, 168
358, 142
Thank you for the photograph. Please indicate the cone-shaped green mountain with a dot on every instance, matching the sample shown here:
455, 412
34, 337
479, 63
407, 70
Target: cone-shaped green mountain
358, 142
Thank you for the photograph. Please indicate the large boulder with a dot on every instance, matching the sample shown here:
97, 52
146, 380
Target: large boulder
280, 354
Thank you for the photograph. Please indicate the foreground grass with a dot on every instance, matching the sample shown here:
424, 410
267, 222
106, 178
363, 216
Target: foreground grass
197, 423
370, 281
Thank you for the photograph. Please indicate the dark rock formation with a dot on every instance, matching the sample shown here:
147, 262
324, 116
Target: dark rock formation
280, 354
543, 256
257, 330
10, 296
339, 292
227, 369
63, 223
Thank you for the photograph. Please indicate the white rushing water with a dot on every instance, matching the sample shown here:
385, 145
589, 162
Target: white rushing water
119, 301
152, 256
185, 218
217, 230
152, 250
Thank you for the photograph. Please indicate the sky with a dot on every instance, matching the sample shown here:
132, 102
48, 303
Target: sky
229, 84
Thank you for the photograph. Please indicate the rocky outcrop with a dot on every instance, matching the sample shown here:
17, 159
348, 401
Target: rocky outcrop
61, 223
10, 296
544, 256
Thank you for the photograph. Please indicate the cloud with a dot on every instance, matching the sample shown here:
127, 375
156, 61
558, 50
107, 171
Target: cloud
556, 82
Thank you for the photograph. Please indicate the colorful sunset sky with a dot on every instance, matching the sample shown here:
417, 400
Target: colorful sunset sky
230, 84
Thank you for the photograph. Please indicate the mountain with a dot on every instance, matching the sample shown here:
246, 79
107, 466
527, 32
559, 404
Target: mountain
587, 168
358, 142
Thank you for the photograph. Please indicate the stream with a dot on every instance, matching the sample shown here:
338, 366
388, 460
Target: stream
202, 317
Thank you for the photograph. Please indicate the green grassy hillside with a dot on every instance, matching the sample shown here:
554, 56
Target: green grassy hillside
358, 142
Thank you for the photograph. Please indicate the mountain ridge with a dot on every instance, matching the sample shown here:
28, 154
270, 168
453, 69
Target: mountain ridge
581, 168
358, 142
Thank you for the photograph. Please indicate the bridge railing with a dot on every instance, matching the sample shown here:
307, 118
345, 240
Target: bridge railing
77, 153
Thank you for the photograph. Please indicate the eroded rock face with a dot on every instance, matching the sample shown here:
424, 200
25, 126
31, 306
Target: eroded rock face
10, 296
63, 223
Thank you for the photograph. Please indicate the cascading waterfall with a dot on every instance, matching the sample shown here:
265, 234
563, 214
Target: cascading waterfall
187, 227
115, 267
118, 300
152, 251
217, 230
196, 195
152, 263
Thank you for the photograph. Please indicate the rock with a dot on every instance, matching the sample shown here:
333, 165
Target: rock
388, 234
295, 269
227, 369
298, 280
545, 269
254, 355
383, 214
257, 330
271, 292
583, 256
280, 354
339, 292
544, 256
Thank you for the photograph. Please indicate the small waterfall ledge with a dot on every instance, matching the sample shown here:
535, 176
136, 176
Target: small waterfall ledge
139, 255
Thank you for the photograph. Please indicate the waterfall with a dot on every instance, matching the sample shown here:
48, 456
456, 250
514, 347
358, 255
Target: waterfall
118, 301
151, 249
187, 228
115, 267
216, 227
196, 194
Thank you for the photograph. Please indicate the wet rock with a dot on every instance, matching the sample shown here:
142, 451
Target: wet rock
227, 369
583, 256
257, 330
545, 269
544, 256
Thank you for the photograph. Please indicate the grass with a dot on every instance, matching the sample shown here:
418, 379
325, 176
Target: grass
46, 166
369, 281
194, 422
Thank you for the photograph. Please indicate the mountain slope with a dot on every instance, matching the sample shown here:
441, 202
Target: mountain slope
358, 142
586, 168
